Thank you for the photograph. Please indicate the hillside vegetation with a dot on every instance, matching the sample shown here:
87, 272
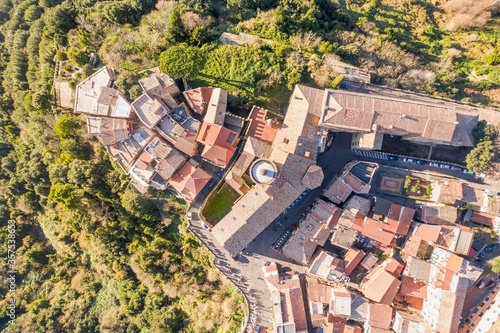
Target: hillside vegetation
95, 256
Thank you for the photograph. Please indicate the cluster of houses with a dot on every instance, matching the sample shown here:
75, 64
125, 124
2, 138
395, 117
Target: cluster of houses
372, 265
358, 276
161, 137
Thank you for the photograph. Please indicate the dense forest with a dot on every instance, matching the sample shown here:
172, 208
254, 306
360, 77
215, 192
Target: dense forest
93, 255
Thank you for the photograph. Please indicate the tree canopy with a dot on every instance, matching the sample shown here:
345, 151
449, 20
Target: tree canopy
182, 61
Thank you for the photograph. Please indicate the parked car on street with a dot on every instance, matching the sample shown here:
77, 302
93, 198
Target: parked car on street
444, 166
456, 168
481, 284
408, 160
421, 162
490, 248
189, 215
434, 164
205, 226
392, 158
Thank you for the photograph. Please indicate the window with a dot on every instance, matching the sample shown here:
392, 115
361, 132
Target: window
286, 141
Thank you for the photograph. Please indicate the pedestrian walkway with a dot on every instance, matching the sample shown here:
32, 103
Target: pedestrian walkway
371, 154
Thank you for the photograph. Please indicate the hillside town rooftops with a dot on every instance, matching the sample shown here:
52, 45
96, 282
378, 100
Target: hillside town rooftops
439, 214
360, 112
380, 286
149, 110
158, 84
109, 130
189, 181
216, 108
198, 98
89, 90
260, 128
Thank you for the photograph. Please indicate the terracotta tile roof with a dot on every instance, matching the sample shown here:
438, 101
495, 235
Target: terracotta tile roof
352, 259
414, 247
399, 219
242, 164
198, 99
257, 148
483, 218
413, 288
220, 143
382, 206
313, 231
424, 121
352, 329
189, 181
439, 215
109, 130
252, 214
344, 237
216, 108
368, 261
357, 204
429, 233
318, 292
448, 192
379, 315
451, 307
349, 220
374, 229
313, 177
259, 128
338, 191
335, 218
418, 269
149, 110
353, 182
380, 286
291, 167
186, 142
393, 266
299, 133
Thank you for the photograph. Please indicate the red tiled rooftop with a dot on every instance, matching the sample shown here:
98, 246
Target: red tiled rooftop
352, 258
259, 128
379, 315
374, 229
413, 288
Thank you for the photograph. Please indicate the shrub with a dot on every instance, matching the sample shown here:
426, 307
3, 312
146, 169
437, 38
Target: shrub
77, 57
492, 59
478, 160
62, 56
66, 127
494, 76
182, 61
336, 81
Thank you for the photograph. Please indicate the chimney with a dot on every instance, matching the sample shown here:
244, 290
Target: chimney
403, 116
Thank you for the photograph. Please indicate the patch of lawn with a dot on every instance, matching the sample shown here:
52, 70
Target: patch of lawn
484, 234
219, 204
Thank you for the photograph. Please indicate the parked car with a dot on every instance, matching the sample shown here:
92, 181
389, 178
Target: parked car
490, 248
345, 86
491, 284
421, 162
468, 172
189, 215
496, 193
392, 158
456, 168
205, 226
434, 164
408, 160
444, 166
481, 284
